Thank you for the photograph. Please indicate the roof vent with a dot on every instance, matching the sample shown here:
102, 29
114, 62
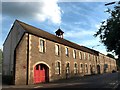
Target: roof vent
59, 33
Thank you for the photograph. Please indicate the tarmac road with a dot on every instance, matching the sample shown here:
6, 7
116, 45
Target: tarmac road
107, 80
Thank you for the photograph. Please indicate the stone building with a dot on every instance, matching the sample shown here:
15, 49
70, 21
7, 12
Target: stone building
31, 55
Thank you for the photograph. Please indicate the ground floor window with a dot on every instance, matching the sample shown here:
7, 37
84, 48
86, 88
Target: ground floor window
67, 68
57, 68
81, 68
75, 68
86, 68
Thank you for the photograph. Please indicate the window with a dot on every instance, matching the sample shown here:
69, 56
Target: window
75, 68
74, 54
80, 55
86, 68
42, 45
66, 51
57, 49
67, 68
84, 56
81, 68
57, 68
88, 56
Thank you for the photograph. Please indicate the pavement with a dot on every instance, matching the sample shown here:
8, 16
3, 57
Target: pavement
81, 81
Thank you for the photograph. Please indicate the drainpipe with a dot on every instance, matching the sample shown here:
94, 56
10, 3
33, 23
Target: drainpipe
27, 71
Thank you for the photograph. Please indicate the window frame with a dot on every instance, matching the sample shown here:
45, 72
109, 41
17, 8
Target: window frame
58, 67
74, 53
84, 54
75, 68
80, 55
81, 67
43, 50
67, 51
57, 49
67, 68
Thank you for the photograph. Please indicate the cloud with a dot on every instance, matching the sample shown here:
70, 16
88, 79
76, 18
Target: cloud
46, 10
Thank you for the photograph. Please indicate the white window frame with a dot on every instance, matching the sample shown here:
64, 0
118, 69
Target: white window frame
75, 68
80, 55
81, 68
43, 48
74, 54
68, 68
84, 54
57, 69
67, 51
57, 49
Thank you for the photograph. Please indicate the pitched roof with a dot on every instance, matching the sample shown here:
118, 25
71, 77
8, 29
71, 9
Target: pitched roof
46, 35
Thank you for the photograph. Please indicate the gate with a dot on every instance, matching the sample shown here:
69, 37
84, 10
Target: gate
39, 74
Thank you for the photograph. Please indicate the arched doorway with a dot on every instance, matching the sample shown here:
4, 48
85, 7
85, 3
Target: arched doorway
41, 73
98, 69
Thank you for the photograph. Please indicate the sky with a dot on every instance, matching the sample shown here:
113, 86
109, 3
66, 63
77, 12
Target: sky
79, 19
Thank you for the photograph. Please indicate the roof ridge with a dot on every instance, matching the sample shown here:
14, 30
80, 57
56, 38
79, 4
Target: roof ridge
44, 34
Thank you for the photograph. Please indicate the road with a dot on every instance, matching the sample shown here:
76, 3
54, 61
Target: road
97, 81
101, 81
108, 80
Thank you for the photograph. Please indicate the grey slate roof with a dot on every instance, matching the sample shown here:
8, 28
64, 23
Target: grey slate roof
38, 32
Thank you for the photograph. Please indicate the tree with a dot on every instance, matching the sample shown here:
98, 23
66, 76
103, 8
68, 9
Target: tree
109, 31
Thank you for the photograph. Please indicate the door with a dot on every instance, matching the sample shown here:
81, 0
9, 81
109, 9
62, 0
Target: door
39, 74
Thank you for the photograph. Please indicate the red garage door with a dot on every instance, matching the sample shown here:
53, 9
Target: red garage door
39, 74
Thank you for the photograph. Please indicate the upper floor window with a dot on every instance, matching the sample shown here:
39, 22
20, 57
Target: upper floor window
84, 56
88, 56
57, 68
42, 45
74, 54
66, 51
57, 52
80, 55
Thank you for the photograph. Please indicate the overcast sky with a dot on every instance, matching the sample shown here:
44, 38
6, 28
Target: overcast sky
79, 20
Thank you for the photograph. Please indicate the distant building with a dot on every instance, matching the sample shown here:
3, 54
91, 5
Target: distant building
31, 55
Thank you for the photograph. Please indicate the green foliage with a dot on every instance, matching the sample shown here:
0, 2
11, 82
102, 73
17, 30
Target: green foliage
109, 31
